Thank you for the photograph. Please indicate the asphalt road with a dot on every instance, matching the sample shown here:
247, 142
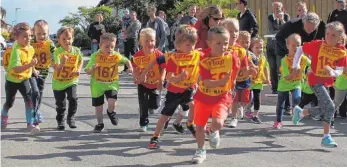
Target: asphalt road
247, 145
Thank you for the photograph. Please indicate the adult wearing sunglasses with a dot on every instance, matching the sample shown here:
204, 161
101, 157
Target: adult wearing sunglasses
247, 19
207, 18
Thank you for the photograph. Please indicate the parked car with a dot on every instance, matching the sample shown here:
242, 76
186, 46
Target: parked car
3, 43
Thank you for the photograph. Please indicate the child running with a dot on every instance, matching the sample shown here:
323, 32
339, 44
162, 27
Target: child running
243, 83
322, 53
148, 91
218, 70
103, 67
19, 70
67, 66
182, 75
257, 81
44, 49
289, 82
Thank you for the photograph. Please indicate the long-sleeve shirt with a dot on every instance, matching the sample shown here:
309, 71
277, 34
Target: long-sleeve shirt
340, 16
248, 22
133, 29
274, 25
158, 26
95, 31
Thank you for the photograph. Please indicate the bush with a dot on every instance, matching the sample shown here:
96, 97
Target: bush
6, 35
81, 39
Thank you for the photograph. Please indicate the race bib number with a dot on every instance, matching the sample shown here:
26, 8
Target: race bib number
42, 54
107, 72
66, 74
142, 62
328, 56
6, 58
218, 68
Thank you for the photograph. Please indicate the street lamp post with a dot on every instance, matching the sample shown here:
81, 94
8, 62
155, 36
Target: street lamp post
16, 15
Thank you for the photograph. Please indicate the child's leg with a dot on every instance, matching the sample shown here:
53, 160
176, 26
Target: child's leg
111, 96
40, 84
296, 96
160, 125
35, 94
190, 119
305, 100
248, 108
99, 114
340, 96
112, 102
60, 102
235, 104
72, 98
256, 97
202, 113
282, 96
10, 90
143, 104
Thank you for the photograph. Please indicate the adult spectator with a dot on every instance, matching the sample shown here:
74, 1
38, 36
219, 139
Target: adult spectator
131, 37
190, 19
247, 19
162, 15
207, 18
301, 9
339, 14
126, 19
96, 29
158, 25
174, 27
275, 22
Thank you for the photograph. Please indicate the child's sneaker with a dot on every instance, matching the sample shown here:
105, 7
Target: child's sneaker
113, 117
61, 125
199, 156
191, 128
287, 112
256, 120
214, 139
98, 128
151, 111
296, 115
33, 129
40, 118
249, 115
71, 122
153, 143
4, 121
328, 142
143, 128
277, 125
179, 128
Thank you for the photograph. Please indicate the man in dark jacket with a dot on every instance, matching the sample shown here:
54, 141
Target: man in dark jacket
339, 14
158, 25
96, 29
247, 19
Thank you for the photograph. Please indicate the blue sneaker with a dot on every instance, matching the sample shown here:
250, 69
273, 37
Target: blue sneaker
296, 115
328, 142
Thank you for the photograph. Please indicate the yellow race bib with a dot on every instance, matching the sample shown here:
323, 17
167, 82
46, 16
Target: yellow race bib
328, 56
219, 67
260, 77
26, 57
107, 72
303, 64
188, 63
70, 66
142, 62
42, 54
6, 58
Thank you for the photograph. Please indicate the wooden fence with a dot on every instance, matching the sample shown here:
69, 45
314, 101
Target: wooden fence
262, 8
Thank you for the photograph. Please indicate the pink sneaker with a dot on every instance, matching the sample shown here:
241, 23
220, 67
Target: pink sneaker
277, 125
249, 115
4, 121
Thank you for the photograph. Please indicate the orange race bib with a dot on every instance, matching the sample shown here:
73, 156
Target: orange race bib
6, 58
26, 57
107, 72
219, 67
42, 54
260, 77
188, 63
328, 56
142, 62
70, 66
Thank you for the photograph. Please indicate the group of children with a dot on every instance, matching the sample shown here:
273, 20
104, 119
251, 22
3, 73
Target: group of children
227, 78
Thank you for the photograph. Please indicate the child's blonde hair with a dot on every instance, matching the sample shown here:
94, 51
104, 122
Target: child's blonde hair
295, 37
65, 29
244, 34
230, 22
337, 26
217, 31
256, 40
108, 37
41, 23
186, 33
19, 28
147, 32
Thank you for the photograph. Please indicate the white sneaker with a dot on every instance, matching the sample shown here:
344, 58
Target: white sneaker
199, 157
214, 139
240, 111
143, 129
34, 129
233, 123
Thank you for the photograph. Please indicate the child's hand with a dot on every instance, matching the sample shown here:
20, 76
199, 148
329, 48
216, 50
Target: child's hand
33, 62
226, 78
96, 66
73, 74
328, 68
253, 71
36, 72
160, 85
63, 59
268, 81
142, 78
130, 70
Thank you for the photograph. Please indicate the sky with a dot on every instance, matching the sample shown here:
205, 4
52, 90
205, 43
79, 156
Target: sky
50, 10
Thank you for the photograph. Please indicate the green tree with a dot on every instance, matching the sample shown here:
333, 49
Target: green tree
184, 5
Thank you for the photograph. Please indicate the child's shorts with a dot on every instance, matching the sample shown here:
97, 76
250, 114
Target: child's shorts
242, 96
173, 100
98, 101
202, 112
